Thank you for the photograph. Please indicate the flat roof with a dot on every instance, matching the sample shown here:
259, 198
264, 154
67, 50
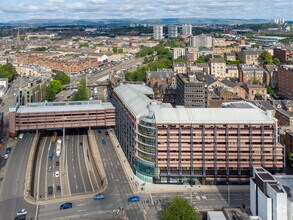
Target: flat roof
216, 215
62, 106
212, 115
266, 176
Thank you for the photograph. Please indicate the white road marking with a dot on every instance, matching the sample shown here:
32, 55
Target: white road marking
82, 210
79, 205
111, 163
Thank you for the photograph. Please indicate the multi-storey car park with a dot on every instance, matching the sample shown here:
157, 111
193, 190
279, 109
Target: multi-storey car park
58, 115
176, 145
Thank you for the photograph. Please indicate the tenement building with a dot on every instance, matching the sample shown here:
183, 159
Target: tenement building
176, 145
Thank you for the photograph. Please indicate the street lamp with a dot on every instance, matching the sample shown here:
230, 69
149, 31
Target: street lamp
228, 183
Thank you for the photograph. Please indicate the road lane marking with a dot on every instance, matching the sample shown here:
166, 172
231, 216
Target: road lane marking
82, 210
79, 205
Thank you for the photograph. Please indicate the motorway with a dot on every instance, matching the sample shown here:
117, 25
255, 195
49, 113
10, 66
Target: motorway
11, 195
74, 176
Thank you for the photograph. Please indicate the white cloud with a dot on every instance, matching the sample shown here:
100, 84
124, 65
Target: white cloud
144, 9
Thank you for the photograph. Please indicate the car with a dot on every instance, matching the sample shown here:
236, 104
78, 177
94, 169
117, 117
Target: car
80, 144
57, 173
57, 163
50, 190
6, 156
20, 217
104, 141
99, 131
106, 133
58, 188
133, 199
99, 196
21, 212
50, 168
8, 150
67, 205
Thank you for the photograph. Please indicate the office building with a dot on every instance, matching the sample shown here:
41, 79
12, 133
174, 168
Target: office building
205, 41
187, 29
158, 32
34, 91
177, 145
172, 31
285, 81
191, 92
268, 198
178, 52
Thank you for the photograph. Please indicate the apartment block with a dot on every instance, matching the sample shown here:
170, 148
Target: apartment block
191, 145
34, 91
172, 31
217, 67
158, 32
249, 56
284, 54
187, 29
249, 73
285, 81
178, 53
205, 41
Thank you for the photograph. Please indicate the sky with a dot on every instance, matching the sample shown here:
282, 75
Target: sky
15, 10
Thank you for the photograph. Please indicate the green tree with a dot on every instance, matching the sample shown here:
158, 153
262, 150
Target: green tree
179, 209
267, 57
276, 61
120, 50
270, 91
40, 49
181, 59
56, 85
62, 77
83, 45
290, 158
7, 71
49, 93
82, 94
115, 50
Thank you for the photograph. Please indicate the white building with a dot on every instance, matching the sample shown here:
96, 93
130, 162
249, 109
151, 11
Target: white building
187, 29
172, 31
158, 32
201, 41
178, 52
3, 86
215, 215
268, 198
279, 21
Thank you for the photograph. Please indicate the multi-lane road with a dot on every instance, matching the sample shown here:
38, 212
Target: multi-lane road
11, 194
74, 177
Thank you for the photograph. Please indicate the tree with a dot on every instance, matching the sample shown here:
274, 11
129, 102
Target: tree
49, 93
270, 91
120, 50
179, 209
267, 57
56, 85
276, 61
62, 77
7, 71
290, 158
82, 94
181, 59
115, 50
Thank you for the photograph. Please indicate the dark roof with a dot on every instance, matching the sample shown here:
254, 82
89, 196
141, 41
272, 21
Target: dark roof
228, 83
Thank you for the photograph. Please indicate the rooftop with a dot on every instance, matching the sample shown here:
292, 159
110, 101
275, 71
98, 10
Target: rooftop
61, 106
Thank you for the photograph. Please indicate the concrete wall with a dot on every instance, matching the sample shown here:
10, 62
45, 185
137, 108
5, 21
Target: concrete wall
264, 206
279, 203
253, 197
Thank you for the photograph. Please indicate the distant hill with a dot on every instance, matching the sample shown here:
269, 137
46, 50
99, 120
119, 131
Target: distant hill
100, 22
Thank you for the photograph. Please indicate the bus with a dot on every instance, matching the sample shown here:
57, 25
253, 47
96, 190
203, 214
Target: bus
50, 155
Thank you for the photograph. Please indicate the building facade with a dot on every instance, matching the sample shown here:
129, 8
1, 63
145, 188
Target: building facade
218, 67
178, 52
249, 56
191, 92
205, 41
177, 145
187, 29
57, 115
285, 81
158, 32
172, 31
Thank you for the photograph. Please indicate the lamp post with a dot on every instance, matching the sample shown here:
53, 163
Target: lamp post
228, 183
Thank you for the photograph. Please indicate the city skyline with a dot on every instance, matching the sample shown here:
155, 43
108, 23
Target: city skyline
101, 9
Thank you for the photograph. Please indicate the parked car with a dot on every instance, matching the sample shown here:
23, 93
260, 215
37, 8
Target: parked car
6, 156
104, 141
21, 212
67, 205
106, 133
57, 163
8, 150
50, 168
99, 196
